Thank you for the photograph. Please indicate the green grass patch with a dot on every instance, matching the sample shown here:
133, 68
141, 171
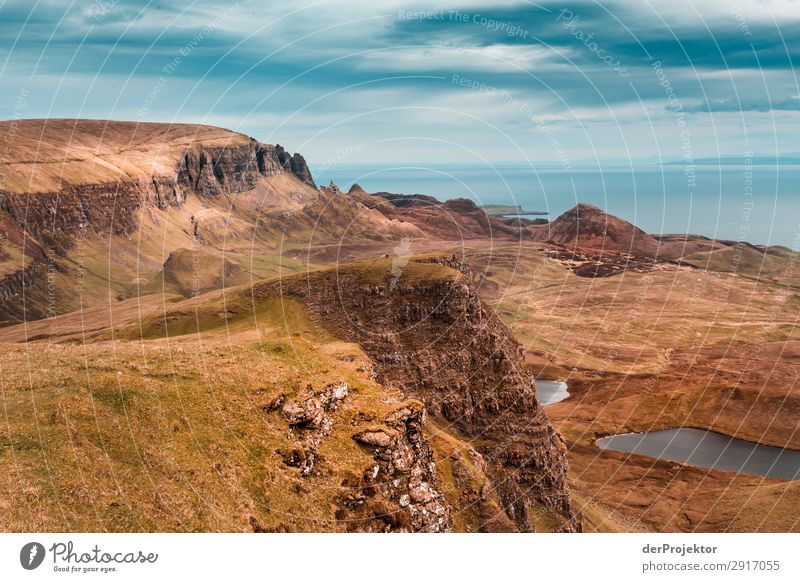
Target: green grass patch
115, 397
274, 348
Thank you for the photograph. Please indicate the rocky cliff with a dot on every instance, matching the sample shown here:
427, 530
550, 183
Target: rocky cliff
68, 181
228, 170
430, 335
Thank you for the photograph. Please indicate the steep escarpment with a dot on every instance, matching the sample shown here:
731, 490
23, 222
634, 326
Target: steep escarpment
82, 183
432, 337
45, 155
228, 170
89, 174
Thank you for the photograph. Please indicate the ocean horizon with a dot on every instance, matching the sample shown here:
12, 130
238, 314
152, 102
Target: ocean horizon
759, 204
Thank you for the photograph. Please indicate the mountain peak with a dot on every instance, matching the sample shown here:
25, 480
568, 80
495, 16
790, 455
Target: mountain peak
587, 226
585, 207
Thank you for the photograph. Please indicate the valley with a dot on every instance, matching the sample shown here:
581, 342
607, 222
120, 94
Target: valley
195, 337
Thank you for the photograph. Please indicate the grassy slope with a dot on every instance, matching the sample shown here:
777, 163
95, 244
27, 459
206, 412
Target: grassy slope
189, 272
91, 152
776, 264
170, 434
161, 426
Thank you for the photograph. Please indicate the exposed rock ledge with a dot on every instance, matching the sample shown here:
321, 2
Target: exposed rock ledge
49, 222
227, 170
404, 473
434, 338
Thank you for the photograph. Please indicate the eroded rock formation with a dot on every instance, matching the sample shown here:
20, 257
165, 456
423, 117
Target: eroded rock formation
231, 169
310, 421
65, 181
404, 475
435, 339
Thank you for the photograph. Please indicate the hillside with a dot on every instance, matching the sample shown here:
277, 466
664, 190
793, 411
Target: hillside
593, 243
206, 340
106, 203
772, 264
588, 227
455, 219
190, 272
49, 154
320, 428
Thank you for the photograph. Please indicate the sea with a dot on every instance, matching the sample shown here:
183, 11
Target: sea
748, 202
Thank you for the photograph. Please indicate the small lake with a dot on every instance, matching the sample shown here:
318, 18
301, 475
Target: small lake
551, 391
710, 450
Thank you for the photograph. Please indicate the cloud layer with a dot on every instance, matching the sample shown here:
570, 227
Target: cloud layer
472, 79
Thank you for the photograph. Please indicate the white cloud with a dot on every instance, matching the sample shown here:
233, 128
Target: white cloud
491, 59
711, 12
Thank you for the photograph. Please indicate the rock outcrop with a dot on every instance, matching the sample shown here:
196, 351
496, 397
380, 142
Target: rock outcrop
434, 338
310, 421
294, 163
404, 475
231, 169
65, 181
398, 491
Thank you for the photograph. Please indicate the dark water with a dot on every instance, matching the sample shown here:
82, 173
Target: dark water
709, 449
717, 202
550, 391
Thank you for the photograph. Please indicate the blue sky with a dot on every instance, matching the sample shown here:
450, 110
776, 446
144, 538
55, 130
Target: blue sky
391, 81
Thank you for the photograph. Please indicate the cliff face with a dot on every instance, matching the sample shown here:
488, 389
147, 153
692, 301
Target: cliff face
431, 336
228, 170
65, 181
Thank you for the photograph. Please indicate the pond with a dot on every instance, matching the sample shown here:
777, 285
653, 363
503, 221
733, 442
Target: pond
551, 391
708, 449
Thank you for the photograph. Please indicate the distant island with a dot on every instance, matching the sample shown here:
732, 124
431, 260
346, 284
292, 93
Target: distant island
510, 210
742, 161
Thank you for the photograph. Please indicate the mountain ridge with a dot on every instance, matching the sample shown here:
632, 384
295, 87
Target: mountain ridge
70, 187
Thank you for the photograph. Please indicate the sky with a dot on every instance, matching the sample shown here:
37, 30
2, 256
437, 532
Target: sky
372, 82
